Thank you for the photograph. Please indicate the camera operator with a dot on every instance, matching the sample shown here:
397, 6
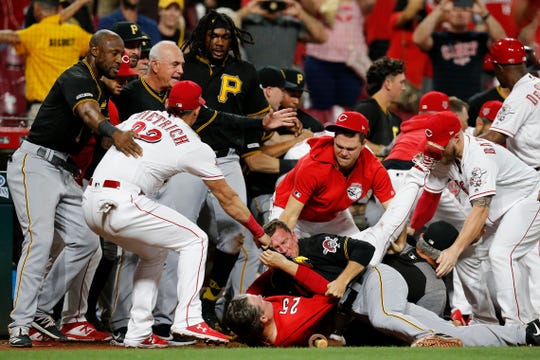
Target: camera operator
277, 26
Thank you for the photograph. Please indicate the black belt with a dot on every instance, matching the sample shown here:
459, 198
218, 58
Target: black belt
58, 161
222, 152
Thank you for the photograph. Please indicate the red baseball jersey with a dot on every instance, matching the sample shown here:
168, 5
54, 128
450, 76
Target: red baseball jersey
316, 182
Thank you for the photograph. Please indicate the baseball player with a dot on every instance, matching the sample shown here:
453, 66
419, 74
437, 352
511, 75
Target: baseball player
503, 194
378, 294
229, 84
117, 205
149, 93
314, 197
72, 109
486, 116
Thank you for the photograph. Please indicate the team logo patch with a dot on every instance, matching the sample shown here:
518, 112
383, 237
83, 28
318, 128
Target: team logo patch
83, 95
297, 194
504, 112
477, 175
253, 145
354, 192
330, 245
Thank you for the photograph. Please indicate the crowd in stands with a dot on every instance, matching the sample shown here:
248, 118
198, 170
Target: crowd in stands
356, 84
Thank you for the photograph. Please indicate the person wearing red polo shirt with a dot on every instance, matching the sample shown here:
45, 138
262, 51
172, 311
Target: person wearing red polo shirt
315, 195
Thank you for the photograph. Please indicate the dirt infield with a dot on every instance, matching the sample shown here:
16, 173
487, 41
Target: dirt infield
75, 345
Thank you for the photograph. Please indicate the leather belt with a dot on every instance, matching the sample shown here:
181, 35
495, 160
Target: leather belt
57, 161
113, 184
222, 152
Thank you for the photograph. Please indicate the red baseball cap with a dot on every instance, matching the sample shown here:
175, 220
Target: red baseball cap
350, 120
434, 101
186, 95
442, 127
125, 68
490, 109
508, 51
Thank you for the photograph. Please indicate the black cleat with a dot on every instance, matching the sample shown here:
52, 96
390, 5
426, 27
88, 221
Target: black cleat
19, 338
533, 333
45, 324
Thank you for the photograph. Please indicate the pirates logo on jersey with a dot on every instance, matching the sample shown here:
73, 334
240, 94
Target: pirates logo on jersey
330, 245
354, 192
476, 177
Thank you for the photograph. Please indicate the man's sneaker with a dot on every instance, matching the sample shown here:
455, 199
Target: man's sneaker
84, 331
532, 333
437, 340
38, 339
204, 332
151, 342
45, 324
163, 331
458, 319
18, 337
118, 336
181, 340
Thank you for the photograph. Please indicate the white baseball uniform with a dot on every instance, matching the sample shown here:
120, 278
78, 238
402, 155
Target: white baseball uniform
117, 205
514, 218
519, 120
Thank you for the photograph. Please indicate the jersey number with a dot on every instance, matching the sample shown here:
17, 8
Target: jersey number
229, 84
287, 307
151, 135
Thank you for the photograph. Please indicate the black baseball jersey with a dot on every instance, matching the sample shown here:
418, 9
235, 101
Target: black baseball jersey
329, 254
383, 126
56, 125
232, 87
218, 129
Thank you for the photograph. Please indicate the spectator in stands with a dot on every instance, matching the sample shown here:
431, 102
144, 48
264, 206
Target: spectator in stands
50, 47
171, 24
277, 29
457, 53
128, 11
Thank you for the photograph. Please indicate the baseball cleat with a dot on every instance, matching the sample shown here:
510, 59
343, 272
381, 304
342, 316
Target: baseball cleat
118, 336
181, 340
458, 319
151, 342
336, 340
84, 331
204, 332
437, 340
45, 324
532, 333
38, 339
18, 337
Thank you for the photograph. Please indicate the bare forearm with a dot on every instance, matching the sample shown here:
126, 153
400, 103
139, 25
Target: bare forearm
472, 227
72, 9
9, 37
410, 11
315, 29
422, 34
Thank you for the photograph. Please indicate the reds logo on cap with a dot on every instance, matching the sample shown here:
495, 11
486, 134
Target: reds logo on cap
342, 117
350, 120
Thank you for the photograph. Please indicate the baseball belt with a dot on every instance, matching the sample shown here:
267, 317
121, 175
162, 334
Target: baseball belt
57, 161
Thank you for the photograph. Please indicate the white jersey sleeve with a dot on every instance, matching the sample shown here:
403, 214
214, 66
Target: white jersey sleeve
519, 120
202, 163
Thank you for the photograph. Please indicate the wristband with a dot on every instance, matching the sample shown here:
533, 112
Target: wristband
253, 226
485, 17
105, 128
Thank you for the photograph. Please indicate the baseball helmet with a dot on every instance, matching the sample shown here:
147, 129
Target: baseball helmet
508, 51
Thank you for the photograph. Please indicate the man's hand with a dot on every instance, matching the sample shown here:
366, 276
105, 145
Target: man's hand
123, 140
336, 288
447, 261
284, 117
273, 259
264, 242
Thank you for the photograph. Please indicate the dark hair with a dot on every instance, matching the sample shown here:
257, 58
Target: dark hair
380, 70
177, 112
213, 20
349, 133
244, 320
271, 227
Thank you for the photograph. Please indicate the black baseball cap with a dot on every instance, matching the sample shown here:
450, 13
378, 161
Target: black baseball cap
129, 31
271, 76
440, 235
295, 79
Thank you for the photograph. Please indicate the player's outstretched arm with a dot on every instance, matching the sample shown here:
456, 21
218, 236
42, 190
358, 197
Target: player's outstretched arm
235, 208
291, 213
284, 117
90, 113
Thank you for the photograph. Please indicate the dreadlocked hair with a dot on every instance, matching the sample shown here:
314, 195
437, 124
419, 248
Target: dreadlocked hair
196, 44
